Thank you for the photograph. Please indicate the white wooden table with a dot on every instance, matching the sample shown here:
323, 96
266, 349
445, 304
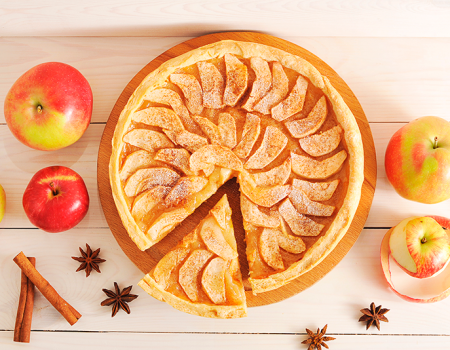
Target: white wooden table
394, 55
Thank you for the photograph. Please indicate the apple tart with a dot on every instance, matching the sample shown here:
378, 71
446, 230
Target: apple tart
245, 110
201, 275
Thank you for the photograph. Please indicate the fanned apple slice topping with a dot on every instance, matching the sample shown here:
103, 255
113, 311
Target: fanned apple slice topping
159, 116
135, 161
317, 191
250, 134
270, 242
323, 143
254, 216
210, 129
149, 140
166, 222
147, 178
261, 84
212, 235
191, 89
273, 143
276, 176
299, 224
176, 157
172, 135
222, 212
147, 200
190, 270
216, 155
293, 103
237, 80
192, 142
280, 88
227, 130
289, 243
212, 84
184, 190
269, 249
304, 205
209, 170
315, 169
167, 264
303, 127
263, 196
172, 99
213, 280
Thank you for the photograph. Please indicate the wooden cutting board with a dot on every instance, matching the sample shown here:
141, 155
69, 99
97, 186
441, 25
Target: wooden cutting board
145, 261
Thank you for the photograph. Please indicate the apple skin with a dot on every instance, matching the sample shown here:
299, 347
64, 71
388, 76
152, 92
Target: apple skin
421, 245
56, 199
2, 203
49, 107
416, 169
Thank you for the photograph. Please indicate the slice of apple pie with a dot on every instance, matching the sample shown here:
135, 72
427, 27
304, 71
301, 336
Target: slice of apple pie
201, 275
245, 110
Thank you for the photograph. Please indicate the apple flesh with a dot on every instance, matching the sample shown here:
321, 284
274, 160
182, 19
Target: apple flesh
420, 246
49, 107
56, 199
2, 203
417, 160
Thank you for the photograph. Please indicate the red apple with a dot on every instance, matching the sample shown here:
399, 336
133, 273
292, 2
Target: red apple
421, 246
49, 107
2, 203
417, 160
56, 199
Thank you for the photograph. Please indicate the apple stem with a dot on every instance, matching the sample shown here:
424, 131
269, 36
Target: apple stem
423, 240
435, 142
54, 190
39, 109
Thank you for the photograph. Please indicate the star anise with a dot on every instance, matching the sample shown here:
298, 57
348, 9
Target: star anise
119, 299
317, 340
373, 316
89, 260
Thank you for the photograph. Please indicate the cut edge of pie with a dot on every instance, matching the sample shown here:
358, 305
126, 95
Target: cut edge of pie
193, 242
352, 136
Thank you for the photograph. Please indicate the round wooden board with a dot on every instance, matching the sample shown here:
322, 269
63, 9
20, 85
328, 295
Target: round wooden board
145, 261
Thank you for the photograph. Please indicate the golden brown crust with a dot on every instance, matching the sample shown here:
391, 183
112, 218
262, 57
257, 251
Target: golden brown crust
212, 311
344, 116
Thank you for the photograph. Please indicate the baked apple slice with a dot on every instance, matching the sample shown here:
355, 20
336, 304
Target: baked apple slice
212, 85
237, 79
192, 91
262, 83
303, 127
320, 144
315, 169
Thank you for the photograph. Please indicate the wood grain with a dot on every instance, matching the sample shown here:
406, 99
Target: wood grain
398, 18
148, 259
394, 79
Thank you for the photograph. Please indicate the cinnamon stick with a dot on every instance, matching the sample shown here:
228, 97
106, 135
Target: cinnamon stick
64, 308
22, 329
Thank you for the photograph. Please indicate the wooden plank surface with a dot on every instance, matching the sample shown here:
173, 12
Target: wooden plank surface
335, 300
368, 18
396, 79
57, 341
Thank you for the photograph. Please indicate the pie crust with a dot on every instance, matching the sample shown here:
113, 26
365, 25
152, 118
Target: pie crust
219, 292
217, 154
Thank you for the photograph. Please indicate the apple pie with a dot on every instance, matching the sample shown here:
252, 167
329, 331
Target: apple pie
201, 275
245, 110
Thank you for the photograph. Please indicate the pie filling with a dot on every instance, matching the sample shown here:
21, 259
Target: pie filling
249, 118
